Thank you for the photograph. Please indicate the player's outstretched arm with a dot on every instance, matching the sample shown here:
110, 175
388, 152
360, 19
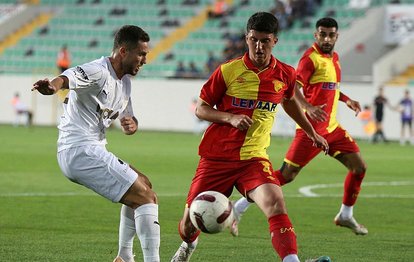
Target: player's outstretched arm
316, 113
46, 87
293, 109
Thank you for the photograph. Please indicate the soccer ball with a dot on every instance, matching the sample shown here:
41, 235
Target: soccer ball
211, 212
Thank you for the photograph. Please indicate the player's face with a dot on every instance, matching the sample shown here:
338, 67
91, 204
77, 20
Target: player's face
260, 47
135, 58
326, 38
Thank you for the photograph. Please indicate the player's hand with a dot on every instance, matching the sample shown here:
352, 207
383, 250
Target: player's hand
129, 125
241, 122
316, 113
44, 87
354, 105
320, 142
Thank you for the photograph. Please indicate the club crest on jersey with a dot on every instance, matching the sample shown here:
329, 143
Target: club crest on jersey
278, 85
253, 104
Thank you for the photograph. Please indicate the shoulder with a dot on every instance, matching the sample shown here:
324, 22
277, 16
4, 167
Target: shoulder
93, 70
232, 64
286, 69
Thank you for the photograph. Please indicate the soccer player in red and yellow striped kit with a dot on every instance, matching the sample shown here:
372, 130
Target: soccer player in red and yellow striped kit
319, 74
240, 99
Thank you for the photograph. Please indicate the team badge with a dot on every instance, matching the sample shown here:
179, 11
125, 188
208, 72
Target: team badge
278, 85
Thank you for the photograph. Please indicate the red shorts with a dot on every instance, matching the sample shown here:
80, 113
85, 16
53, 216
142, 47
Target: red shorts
302, 151
222, 176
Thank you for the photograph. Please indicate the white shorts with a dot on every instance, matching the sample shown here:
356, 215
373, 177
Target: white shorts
94, 167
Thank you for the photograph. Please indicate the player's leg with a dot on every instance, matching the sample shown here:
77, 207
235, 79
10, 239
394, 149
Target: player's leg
300, 152
126, 235
349, 155
101, 171
189, 235
142, 199
239, 208
352, 186
269, 199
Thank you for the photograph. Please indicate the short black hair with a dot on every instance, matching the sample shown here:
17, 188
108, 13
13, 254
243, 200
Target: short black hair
130, 35
326, 22
263, 22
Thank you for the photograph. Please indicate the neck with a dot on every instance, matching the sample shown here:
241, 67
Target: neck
116, 65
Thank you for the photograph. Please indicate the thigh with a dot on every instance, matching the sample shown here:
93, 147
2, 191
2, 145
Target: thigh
301, 150
253, 174
97, 169
340, 142
213, 175
269, 198
222, 176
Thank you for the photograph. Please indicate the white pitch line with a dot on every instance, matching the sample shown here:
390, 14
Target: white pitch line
54, 194
307, 190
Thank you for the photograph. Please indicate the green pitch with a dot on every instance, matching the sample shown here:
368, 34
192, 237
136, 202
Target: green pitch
45, 217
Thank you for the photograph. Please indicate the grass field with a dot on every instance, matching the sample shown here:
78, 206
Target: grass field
44, 217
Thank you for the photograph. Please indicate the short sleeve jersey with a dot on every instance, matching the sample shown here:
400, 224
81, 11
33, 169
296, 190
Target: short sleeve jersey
320, 75
238, 87
96, 98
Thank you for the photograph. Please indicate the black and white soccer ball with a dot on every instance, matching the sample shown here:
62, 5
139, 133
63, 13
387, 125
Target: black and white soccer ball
211, 212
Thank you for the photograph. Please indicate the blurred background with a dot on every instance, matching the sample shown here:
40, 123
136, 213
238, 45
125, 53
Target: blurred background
189, 39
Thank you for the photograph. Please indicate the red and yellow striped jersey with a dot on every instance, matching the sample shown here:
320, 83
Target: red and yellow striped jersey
320, 74
239, 87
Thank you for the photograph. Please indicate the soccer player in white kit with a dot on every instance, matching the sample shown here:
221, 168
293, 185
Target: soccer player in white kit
99, 93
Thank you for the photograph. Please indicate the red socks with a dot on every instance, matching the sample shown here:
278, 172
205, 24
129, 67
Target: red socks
352, 186
283, 235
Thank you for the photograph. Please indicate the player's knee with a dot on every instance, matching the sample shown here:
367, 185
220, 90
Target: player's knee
360, 170
142, 198
290, 174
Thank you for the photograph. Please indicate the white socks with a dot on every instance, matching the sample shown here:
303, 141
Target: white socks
291, 258
126, 233
346, 211
148, 231
241, 205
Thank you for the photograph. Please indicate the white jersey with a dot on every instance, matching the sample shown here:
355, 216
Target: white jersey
96, 98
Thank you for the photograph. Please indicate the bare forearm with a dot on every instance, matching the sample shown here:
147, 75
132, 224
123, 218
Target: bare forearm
301, 100
60, 82
210, 114
206, 112
293, 109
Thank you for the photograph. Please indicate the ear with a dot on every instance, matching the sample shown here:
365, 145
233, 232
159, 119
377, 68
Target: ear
276, 40
122, 50
315, 35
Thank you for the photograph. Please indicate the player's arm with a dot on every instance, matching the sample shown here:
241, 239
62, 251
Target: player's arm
47, 87
352, 104
316, 113
206, 112
293, 109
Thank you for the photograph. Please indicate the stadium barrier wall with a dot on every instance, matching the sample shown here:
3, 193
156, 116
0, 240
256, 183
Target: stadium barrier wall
165, 105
